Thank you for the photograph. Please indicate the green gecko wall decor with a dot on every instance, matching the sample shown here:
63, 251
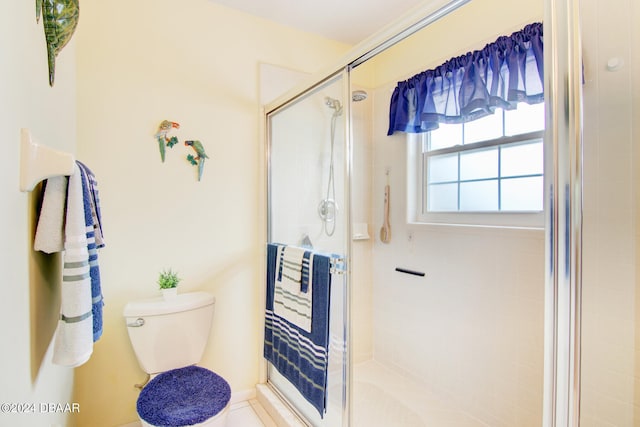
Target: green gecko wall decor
60, 19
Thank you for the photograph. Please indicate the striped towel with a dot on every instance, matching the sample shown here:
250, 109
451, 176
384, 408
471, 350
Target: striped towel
74, 337
93, 229
293, 286
94, 203
300, 356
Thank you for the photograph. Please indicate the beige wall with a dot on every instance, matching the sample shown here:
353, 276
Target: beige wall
478, 23
635, 35
26, 100
196, 63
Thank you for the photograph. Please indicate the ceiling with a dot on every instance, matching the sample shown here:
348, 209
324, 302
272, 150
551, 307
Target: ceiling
347, 21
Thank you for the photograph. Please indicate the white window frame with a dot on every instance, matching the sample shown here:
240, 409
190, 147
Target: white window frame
416, 193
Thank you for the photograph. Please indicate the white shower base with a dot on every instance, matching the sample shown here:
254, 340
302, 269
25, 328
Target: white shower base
383, 397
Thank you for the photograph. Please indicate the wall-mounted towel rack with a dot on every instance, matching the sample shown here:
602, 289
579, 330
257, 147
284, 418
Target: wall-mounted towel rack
39, 162
412, 272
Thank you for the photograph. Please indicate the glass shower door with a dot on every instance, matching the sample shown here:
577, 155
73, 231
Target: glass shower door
307, 207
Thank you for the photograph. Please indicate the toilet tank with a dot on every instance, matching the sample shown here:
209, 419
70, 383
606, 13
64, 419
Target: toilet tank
169, 334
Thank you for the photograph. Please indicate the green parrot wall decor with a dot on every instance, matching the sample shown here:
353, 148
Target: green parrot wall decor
165, 141
199, 158
161, 136
60, 21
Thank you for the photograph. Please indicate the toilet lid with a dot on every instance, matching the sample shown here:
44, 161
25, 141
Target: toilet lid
183, 397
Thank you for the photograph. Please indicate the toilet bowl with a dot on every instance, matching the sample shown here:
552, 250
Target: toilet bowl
180, 393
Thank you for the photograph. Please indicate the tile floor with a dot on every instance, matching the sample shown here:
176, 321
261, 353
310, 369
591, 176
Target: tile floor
242, 414
248, 414
383, 397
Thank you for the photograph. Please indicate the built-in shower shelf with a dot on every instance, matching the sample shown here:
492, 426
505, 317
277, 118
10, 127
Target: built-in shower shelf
360, 231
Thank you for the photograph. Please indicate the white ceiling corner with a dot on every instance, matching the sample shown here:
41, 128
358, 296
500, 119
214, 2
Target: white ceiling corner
348, 21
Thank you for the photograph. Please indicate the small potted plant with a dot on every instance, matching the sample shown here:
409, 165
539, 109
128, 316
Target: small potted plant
168, 282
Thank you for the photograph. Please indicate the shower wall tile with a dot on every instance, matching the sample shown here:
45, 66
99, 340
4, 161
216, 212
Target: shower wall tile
362, 281
362, 314
471, 329
610, 240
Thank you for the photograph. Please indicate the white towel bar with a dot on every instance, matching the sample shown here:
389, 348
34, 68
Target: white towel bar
38, 162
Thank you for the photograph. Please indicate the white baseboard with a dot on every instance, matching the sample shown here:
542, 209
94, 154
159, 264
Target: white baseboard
243, 395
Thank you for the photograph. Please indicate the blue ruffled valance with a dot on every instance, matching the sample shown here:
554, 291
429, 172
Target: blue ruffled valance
471, 86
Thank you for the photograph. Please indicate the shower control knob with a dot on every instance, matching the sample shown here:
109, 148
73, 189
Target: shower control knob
327, 210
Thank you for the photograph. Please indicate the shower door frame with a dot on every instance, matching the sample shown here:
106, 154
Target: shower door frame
342, 74
563, 215
563, 190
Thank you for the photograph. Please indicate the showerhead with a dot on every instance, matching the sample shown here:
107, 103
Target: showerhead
358, 95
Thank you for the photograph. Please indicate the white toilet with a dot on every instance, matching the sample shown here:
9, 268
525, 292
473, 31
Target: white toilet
169, 338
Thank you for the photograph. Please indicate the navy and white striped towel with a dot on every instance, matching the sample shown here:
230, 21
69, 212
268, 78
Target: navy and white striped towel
300, 356
94, 203
75, 233
74, 336
94, 233
293, 286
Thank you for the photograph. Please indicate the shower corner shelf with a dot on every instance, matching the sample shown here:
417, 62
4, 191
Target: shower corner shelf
360, 231
39, 162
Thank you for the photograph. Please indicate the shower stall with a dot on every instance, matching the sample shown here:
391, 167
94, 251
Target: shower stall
435, 324
308, 206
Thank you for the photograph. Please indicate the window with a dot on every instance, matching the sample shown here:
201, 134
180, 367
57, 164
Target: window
491, 165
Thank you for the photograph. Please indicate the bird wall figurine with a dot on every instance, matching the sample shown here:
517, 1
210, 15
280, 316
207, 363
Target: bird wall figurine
199, 158
161, 135
60, 21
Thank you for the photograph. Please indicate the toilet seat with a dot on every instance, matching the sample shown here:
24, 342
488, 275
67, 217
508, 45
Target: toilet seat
183, 397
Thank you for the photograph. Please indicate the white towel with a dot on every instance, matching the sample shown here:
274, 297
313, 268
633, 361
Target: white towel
289, 302
50, 230
74, 336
